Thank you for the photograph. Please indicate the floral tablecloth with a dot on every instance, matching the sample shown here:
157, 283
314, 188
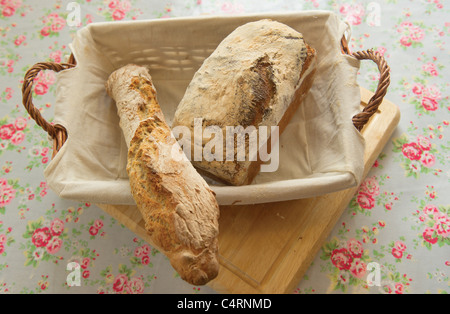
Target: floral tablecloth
394, 236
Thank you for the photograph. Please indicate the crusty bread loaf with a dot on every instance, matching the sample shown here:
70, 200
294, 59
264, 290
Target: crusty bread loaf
257, 76
179, 209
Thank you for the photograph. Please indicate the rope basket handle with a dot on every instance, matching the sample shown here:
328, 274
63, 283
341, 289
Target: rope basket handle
57, 132
360, 119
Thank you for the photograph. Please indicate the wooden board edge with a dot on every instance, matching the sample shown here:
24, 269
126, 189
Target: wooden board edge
299, 264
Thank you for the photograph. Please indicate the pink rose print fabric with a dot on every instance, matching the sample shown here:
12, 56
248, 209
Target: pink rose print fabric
392, 238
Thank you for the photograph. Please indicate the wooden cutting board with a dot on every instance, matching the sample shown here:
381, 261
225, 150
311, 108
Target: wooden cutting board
267, 248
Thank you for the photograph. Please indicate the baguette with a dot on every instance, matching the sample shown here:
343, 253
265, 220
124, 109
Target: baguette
257, 76
179, 209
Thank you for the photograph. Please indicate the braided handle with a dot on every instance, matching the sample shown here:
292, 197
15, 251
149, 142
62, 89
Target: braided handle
57, 132
360, 119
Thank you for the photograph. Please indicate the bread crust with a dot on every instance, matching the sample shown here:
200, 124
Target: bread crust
257, 76
299, 95
178, 207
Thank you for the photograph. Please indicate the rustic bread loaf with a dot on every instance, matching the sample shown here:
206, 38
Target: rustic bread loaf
179, 209
257, 76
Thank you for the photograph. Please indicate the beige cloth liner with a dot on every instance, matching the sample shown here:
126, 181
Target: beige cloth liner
320, 150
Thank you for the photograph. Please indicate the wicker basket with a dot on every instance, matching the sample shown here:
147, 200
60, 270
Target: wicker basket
59, 133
